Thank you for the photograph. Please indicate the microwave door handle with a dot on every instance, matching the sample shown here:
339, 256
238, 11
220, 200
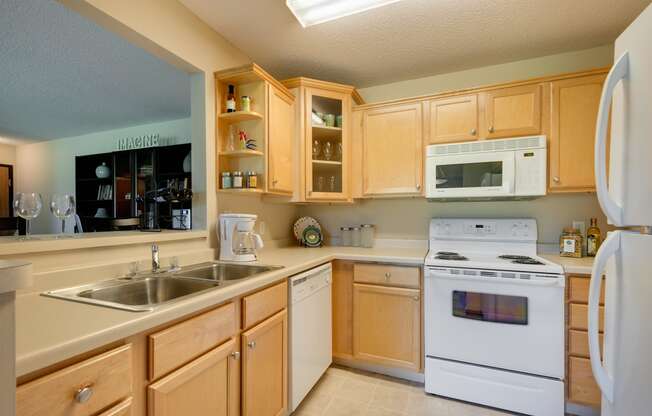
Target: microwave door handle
607, 250
611, 208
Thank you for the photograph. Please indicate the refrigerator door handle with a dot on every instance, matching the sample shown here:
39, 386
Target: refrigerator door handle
619, 71
608, 249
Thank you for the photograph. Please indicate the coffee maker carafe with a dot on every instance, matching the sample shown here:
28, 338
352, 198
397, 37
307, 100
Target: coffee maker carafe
238, 241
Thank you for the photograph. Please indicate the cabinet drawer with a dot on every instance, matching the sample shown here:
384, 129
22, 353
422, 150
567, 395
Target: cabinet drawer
387, 275
108, 376
263, 304
578, 343
582, 387
578, 317
171, 348
578, 290
120, 409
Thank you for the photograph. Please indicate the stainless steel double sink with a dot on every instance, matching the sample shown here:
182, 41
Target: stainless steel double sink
144, 292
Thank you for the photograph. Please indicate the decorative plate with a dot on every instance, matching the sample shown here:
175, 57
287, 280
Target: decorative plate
301, 224
312, 237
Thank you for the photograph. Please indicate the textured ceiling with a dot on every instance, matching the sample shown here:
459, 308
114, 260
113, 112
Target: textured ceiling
62, 75
414, 38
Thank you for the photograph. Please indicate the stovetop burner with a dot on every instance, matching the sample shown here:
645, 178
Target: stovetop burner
514, 257
447, 253
453, 256
527, 261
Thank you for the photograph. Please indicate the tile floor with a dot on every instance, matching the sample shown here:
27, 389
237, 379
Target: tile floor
346, 392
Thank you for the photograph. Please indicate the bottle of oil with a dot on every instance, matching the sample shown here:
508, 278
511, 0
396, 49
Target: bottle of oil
230, 100
593, 238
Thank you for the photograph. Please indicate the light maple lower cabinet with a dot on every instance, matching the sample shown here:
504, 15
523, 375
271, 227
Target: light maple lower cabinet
209, 385
574, 109
392, 150
510, 112
264, 367
452, 119
387, 325
280, 144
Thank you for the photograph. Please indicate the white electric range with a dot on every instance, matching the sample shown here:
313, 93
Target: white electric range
494, 316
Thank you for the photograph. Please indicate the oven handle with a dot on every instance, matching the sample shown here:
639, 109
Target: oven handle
541, 283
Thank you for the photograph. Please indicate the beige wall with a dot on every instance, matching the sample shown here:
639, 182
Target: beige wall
7, 154
408, 218
537, 67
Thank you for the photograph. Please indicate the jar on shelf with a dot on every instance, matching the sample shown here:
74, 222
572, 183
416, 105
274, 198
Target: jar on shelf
356, 237
346, 235
570, 243
252, 179
367, 235
237, 179
227, 181
245, 103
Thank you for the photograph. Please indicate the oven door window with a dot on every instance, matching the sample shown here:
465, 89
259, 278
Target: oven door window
490, 307
469, 175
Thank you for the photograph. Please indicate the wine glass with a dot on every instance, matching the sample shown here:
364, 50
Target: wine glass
27, 206
316, 149
62, 206
328, 150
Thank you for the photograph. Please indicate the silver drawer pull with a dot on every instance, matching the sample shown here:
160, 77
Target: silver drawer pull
84, 394
235, 355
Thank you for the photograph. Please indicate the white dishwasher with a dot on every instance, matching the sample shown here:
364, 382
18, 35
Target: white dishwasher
311, 350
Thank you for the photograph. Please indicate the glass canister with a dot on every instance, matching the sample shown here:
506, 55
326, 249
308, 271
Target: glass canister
245, 103
237, 179
356, 237
347, 235
227, 182
570, 243
367, 235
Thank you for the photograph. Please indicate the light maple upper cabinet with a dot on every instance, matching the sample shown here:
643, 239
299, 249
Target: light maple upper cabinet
264, 368
280, 142
206, 386
574, 110
387, 325
392, 150
511, 112
452, 119
322, 150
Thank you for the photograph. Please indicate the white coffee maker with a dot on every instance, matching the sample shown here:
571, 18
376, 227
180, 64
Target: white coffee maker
238, 241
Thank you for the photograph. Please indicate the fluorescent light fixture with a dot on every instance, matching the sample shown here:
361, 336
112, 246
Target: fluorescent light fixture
313, 12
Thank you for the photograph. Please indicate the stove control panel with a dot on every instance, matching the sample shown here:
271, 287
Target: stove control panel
483, 229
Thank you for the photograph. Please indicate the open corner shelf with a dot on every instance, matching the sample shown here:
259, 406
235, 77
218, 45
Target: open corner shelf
241, 191
238, 116
241, 153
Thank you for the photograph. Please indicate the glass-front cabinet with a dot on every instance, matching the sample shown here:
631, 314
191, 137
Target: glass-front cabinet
323, 139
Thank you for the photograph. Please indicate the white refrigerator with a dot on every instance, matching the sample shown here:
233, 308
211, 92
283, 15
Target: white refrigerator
624, 373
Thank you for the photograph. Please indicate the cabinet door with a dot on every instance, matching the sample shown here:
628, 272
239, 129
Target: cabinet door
209, 385
279, 145
392, 156
264, 371
453, 119
387, 326
342, 291
510, 112
574, 110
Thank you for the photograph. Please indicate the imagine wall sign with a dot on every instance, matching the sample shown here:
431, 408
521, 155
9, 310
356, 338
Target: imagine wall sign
140, 142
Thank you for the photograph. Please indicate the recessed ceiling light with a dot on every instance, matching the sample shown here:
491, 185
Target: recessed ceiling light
313, 12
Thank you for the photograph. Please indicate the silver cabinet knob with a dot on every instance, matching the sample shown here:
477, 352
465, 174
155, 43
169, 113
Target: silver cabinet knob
388, 276
235, 355
555, 179
252, 344
415, 297
491, 129
473, 132
84, 394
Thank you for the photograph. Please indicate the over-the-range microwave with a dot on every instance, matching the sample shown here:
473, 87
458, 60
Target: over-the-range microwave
487, 169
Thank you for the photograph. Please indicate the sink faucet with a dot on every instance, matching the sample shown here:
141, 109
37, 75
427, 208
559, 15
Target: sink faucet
156, 262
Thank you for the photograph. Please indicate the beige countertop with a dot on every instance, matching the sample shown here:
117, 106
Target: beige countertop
51, 330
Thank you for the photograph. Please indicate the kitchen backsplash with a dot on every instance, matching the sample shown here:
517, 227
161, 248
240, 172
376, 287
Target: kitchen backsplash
408, 218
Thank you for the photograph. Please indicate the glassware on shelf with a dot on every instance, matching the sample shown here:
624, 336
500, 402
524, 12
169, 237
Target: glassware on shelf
62, 206
328, 151
230, 145
320, 183
331, 184
338, 151
28, 206
316, 149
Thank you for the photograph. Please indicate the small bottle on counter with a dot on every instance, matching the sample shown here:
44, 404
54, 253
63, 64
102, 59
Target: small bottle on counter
227, 183
593, 238
367, 238
346, 235
356, 237
570, 243
237, 179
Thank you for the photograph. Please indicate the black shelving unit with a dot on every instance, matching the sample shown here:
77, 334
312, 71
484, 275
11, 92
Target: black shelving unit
136, 177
